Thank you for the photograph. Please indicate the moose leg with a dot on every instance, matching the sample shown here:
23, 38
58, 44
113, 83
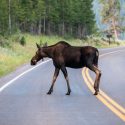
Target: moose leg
67, 79
97, 80
54, 79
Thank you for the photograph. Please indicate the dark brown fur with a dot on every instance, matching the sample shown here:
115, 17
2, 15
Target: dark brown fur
65, 55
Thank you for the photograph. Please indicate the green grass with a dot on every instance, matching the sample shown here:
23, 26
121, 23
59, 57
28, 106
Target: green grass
15, 55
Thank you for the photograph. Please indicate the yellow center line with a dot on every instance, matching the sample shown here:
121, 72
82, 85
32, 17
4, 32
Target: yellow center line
103, 100
102, 96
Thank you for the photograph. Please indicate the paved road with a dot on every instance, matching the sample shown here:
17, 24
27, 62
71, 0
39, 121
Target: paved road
24, 102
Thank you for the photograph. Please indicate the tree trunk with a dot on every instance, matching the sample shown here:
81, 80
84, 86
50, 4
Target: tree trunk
54, 29
9, 17
71, 31
59, 29
82, 32
79, 31
39, 27
114, 28
63, 29
44, 25
31, 28
48, 28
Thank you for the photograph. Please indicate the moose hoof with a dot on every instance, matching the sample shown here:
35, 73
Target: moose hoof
68, 93
49, 93
96, 93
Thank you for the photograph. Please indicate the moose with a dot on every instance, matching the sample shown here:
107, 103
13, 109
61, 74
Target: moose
64, 55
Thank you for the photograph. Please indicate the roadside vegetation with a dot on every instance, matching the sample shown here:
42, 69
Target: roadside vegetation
18, 49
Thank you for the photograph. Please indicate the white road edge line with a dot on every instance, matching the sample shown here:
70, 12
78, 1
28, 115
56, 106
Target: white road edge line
111, 52
11, 81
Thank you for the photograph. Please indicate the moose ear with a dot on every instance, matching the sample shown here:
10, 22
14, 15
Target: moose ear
38, 46
45, 44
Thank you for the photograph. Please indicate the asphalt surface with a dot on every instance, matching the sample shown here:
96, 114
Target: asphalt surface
25, 102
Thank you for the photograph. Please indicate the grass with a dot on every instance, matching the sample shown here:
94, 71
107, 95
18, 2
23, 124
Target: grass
15, 55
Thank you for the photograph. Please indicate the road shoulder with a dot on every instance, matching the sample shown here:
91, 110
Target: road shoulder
15, 73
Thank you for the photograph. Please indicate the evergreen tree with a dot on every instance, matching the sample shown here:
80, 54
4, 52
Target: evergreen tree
61, 17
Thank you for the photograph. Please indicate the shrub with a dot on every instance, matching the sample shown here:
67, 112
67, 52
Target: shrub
23, 41
4, 42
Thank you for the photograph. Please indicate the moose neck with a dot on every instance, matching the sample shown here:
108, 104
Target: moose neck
48, 51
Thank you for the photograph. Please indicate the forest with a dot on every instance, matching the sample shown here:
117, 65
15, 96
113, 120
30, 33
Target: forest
60, 17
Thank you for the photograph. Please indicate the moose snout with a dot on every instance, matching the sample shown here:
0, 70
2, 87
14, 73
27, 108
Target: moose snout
33, 62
